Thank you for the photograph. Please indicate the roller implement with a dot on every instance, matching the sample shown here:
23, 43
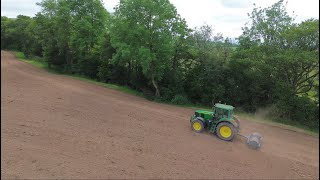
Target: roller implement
222, 122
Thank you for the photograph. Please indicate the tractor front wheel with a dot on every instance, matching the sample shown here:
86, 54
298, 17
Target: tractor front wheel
226, 131
197, 126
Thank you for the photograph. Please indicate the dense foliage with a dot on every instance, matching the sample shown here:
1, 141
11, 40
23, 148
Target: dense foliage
147, 46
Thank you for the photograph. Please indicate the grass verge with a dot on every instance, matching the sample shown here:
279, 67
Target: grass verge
251, 117
36, 63
111, 86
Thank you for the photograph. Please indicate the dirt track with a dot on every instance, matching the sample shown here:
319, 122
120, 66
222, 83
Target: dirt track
53, 126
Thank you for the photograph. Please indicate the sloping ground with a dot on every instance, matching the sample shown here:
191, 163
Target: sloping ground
53, 126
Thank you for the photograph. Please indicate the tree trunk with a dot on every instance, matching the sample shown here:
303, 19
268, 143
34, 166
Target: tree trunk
69, 60
156, 87
129, 72
175, 59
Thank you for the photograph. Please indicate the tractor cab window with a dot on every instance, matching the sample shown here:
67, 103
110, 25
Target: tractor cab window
221, 113
225, 113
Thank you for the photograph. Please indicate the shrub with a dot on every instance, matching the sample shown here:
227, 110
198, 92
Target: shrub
298, 110
180, 99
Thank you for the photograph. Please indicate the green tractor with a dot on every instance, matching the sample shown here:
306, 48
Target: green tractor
222, 122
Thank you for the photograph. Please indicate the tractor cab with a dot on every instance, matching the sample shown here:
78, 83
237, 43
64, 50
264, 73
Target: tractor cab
222, 111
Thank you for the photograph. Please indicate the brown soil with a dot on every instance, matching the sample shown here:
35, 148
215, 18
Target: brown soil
53, 126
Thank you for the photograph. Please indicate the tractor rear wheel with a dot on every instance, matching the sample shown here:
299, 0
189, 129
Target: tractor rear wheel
226, 131
197, 126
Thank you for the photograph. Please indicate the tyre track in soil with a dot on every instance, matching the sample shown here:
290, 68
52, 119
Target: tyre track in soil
53, 126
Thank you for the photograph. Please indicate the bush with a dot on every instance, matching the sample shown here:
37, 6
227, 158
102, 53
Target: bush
180, 99
166, 94
148, 94
298, 110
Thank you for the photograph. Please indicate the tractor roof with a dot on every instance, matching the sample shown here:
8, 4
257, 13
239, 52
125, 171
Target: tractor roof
224, 106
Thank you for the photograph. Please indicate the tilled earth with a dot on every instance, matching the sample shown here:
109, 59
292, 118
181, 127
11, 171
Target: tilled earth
53, 126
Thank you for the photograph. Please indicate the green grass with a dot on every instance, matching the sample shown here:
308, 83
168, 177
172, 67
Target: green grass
251, 117
19, 55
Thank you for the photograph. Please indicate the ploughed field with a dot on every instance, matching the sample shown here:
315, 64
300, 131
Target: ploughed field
53, 126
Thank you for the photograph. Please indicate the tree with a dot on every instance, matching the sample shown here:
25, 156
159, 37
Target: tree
5, 39
302, 49
268, 24
14, 32
143, 32
70, 30
89, 24
291, 50
48, 31
206, 79
283, 55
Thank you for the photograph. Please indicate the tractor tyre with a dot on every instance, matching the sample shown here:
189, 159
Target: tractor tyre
197, 126
226, 131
